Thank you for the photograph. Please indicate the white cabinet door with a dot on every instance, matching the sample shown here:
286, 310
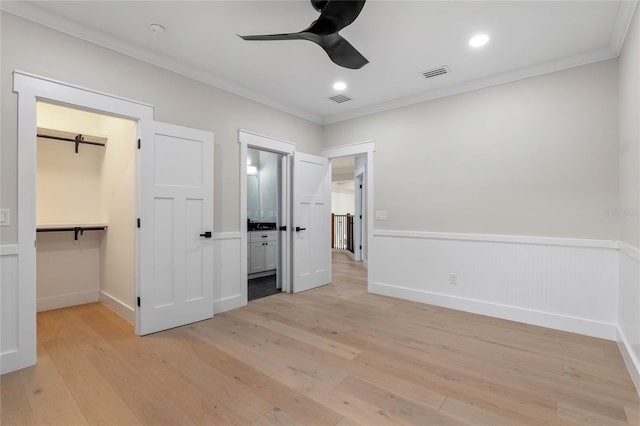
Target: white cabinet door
176, 261
270, 255
258, 259
312, 221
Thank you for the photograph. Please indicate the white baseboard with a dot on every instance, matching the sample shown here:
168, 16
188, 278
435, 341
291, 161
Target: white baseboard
66, 300
9, 362
227, 304
543, 319
632, 363
119, 307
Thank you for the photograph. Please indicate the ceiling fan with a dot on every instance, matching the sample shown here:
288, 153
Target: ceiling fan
334, 16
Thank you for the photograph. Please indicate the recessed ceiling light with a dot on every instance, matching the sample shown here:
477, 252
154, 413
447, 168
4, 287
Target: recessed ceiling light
157, 28
339, 86
479, 40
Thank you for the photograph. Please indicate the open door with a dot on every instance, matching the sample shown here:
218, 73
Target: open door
311, 221
176, 226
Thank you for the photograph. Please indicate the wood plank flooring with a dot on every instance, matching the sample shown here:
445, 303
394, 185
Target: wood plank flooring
330, 356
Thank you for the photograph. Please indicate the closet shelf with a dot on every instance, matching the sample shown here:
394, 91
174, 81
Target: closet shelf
75, 228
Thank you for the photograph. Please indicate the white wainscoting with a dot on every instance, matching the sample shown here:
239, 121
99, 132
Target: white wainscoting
228, 287
629, 310
9, 308
565, 284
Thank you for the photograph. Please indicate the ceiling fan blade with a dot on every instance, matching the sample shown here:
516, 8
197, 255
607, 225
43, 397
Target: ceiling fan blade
341, 52
336, 15
289, 36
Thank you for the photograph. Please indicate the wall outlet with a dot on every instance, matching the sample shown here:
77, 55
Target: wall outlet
453, 279
5, 217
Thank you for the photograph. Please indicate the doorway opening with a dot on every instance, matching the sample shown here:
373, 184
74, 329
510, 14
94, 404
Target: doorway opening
355, 162
348, 207
264, 219
85, 209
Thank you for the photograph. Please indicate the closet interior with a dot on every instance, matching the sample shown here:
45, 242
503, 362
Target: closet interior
85, 209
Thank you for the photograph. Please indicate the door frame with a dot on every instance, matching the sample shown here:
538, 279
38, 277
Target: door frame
248, 139
366, 148
30, 89
360, 213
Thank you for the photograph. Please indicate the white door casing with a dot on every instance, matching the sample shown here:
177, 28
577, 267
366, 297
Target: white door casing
176, 261
311, 221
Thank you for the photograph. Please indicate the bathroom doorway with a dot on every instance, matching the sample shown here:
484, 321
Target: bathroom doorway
264, 219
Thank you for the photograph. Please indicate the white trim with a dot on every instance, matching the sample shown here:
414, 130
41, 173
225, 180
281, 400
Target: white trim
31, 88
349, 150
256, 140
66, 300
9, 361
17, 87
118, 306
248, 139
514, 239
621, 27
628, 250
632, 363
9, 250
367, 148
482, 83
229, 303
227, 236
528, 316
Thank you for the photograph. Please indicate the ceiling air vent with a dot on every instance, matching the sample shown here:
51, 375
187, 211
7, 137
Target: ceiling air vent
340, 98
436, 72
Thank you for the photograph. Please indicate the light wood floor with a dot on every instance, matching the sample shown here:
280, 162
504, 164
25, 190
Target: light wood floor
334, 355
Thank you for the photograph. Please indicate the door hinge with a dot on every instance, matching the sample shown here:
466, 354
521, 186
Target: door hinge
139, 143
360, 216
138, 222
138, 301
360, 185
360, 249
283, 228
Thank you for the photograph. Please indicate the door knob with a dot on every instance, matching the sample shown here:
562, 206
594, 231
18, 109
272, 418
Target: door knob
298, 229
206, 234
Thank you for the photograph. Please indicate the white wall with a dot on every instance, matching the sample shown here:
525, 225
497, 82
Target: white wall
532, 157
500, 178
117, 250
68, 193
343, 198
628, 211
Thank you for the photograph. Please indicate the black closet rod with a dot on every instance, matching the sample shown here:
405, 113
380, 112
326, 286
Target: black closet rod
78, 140
76, 230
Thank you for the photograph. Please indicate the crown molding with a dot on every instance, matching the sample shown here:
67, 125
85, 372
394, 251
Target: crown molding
623, 22
469, 86
76, 29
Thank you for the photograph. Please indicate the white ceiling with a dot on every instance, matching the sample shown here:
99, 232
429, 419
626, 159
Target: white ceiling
400, 39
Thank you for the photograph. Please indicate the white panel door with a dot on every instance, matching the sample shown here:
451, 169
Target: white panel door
175, 239
312, 221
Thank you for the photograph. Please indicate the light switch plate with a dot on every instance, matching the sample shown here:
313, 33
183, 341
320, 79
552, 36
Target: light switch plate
381, 215
5, 217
